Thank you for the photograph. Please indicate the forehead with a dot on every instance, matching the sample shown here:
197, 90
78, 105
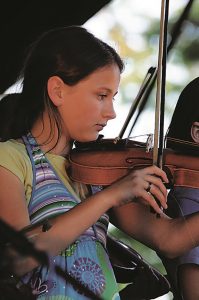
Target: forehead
107, 75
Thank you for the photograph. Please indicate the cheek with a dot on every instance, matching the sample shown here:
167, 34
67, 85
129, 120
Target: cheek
79, 112
86, 109
76, 117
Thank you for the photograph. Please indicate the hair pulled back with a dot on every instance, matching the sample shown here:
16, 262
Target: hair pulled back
72, 53
186, 112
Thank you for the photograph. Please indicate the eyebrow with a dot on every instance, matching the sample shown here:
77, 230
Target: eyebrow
109, 90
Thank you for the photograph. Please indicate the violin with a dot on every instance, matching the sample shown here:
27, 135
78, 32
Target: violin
104, 161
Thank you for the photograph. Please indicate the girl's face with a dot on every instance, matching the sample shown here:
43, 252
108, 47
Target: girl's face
88, 105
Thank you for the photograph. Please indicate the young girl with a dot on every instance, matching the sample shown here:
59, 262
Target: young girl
184, 270
70, 79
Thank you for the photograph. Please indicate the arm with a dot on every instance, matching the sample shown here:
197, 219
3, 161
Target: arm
81, 217
14, 208
14, 211
171, 237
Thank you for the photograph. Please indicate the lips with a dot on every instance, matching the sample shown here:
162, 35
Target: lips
100, 126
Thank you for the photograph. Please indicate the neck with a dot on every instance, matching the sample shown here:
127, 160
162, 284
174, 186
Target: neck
46, 134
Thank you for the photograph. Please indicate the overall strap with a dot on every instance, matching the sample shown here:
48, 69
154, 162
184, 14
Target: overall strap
50, 196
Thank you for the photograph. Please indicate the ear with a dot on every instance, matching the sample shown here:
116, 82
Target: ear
55, 87
195, 132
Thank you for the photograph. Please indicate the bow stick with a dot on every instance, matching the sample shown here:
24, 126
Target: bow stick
160, 93
141, 92
174, 37
161, 83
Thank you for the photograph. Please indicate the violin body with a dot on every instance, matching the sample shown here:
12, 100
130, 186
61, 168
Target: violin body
103, 162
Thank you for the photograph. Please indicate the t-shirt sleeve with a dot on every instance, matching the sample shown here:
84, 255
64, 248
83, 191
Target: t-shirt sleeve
12, 159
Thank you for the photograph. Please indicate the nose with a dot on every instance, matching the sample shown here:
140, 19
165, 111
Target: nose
109, 111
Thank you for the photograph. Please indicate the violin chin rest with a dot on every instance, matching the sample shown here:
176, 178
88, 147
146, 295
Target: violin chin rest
125, 274
143, 280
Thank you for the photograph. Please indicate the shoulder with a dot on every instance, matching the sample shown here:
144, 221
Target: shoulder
12, 148
10, 145
13, 156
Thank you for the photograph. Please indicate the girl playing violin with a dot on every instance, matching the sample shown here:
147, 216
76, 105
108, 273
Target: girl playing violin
184, 270
69, 81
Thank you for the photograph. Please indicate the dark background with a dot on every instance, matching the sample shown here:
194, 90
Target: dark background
22, 21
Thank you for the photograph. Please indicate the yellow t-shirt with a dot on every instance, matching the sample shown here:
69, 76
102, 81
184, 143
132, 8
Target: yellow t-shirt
14, 157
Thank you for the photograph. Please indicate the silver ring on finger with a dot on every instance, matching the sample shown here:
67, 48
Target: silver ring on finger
149, 188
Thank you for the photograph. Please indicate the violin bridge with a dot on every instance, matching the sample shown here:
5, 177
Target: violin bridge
149, 143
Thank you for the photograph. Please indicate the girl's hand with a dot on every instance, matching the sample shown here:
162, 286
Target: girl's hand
144, 184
